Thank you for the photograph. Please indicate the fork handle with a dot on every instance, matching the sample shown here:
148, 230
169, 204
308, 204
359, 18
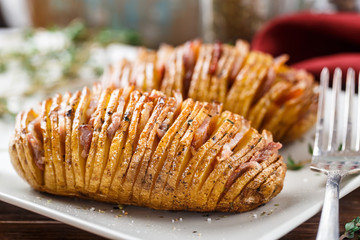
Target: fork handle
329, 221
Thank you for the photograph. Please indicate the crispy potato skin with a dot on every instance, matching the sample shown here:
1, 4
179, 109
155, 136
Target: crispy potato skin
146, 149
249, 83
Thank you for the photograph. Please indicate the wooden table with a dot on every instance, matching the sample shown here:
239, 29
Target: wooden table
17, 223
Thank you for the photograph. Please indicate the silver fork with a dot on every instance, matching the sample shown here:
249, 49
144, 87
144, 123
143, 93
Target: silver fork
337, 144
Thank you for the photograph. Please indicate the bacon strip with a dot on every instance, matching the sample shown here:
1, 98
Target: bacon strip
216, 54
86, 132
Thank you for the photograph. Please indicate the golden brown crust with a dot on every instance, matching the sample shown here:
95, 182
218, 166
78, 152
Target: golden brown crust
146, 149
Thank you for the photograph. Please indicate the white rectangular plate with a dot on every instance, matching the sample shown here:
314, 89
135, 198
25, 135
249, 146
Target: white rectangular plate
300, 199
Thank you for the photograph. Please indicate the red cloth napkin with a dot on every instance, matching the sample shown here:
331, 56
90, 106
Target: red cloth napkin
313, 41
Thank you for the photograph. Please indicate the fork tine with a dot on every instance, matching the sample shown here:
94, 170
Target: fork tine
347, 124
357, 141
336, 87
319, 135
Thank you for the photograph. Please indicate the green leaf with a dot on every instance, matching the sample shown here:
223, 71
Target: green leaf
310, 149
349, 226
292, 165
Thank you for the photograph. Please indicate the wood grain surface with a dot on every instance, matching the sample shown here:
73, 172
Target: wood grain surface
17, 223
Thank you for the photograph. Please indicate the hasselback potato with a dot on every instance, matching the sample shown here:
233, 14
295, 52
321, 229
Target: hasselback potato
264, 90
146, 149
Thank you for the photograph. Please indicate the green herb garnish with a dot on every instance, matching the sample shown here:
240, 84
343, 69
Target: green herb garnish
310, 149
230, 121
292, 165
340, 147
351, 228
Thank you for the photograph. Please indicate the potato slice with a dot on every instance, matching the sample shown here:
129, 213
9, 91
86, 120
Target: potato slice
100, 158
112, 75
157, 159
274, 183
242, 50
78, 160
125, 76
109, 180
168, 81
190, 56
114, 121
231, 98
140, 75
14, 158
57, 122
183, 152
306, 121
22, 158
239, 137
151, 75
162, 57
49, 173
235, 90
20, 151
258, 112
58, 133
179, 71
98, 120
32, 145
185, 179
252, 196
249, 144
204, 78
163, 169
130, 145
69, 116
290, 110
148, 113
252, 89
146, 145
51, 160
245, 82
246, 172
196, 76
168, 111
252, 85
219, 82
196, 200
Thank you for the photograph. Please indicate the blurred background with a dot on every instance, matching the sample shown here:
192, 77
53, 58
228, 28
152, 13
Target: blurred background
52, 45
170, 21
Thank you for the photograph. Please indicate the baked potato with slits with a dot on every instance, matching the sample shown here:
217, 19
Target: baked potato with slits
255, 85
146, 149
